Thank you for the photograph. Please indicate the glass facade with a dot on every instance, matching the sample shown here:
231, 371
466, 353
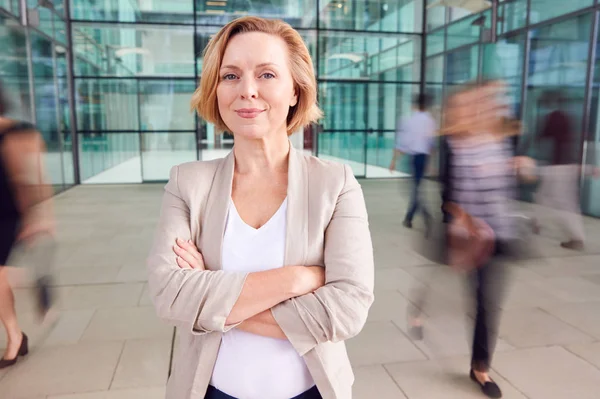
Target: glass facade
108, 84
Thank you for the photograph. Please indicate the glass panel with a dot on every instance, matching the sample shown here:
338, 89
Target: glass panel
378, 15
542, 10
14, 68
300, 14
110, 158
175, 11
436, 14
161, 151
466, 31
434, 69
59, 6
512, 15
64, 116
559, 53
46, 105
345, 147
345, 55
165, 105
462, 66
380, 149
591, 187
435, 42
504, 60
360, 106
134, 51
107, 104
12, 6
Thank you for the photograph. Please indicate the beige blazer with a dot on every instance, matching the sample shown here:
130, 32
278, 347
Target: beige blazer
326, 225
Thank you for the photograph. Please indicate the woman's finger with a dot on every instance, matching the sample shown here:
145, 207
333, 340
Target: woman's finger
189, 247
183, 264
188, 257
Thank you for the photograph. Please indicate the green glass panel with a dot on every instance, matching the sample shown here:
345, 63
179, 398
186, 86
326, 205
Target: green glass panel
542, 10
466, 31
173, 11
347, 55
462, 66
14, 68
436, 14
165, 105
344, 146
107, 104
512, 15
379, 15
140, 50
163, 150
435, 42
299, 14
99, 152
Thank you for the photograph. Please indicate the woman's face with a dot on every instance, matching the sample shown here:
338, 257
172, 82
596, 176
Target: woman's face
256, 88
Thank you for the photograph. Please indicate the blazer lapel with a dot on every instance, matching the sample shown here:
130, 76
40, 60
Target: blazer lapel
215, 215
296, 239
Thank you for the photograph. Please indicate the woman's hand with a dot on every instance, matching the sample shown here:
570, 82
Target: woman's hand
188, 256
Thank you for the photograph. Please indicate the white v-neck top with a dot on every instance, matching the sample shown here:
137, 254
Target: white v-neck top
250, 366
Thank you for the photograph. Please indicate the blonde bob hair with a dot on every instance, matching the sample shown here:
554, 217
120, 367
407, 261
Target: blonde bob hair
306, 111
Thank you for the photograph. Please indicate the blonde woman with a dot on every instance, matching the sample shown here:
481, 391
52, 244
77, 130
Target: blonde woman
263, 260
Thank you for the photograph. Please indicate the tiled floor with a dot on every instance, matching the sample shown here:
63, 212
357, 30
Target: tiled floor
108, 344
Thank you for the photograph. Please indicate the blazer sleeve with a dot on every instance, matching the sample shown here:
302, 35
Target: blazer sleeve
198, 301
338, 310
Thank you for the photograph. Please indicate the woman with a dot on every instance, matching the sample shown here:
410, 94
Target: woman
250, 328
24, 213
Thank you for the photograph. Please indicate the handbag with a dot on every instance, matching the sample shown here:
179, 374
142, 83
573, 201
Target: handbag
470, 241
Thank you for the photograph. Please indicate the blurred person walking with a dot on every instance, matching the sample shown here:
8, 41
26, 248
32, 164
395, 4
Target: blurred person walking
479, 185
560, 171
25, 212
415, 137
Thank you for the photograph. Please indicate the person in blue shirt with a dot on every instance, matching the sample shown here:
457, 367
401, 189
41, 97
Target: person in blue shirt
415, 137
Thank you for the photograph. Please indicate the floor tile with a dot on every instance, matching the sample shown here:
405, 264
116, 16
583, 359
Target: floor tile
381, 343
70, 327
86, 275
549, 373
588, 352
103, 296
125, 324
145, 299
447, 379
64, 369
374, 382
138, 393
143, 363
131, 273
395, 279
534, 327
585, 316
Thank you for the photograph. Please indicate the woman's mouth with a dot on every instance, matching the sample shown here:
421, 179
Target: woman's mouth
249, 113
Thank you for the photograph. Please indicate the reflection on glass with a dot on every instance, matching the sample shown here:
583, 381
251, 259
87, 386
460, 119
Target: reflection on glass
161, 151
379, 15
345, 147
134, 51
462, 65
512, 15
46, 105
165, 104
435, 42
14, 67
542, 10
556, 63
346, 55
110, 158
379, 152
467, 31
504, 60
106, 104
175, 11
436, 14
299, 14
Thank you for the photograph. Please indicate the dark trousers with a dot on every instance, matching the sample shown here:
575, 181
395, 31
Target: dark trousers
487, 286
214, 393
419, 163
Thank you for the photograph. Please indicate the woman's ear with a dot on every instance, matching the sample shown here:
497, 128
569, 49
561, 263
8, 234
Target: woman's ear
294, 99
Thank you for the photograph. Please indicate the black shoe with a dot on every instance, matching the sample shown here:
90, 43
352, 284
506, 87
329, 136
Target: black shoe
23, 350
489, 389
407, 223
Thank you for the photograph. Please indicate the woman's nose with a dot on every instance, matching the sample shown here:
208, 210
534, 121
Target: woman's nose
248, 88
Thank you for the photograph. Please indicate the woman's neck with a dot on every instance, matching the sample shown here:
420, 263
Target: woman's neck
261, 155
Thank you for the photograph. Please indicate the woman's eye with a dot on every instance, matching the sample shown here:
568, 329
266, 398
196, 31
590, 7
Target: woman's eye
268, 75
229, 76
